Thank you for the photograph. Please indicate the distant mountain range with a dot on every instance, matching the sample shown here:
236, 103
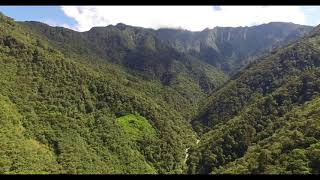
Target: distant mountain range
187, 61
131, 100
266, 118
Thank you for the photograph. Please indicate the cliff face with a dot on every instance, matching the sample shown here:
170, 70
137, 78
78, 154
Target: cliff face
256, 123
229, 49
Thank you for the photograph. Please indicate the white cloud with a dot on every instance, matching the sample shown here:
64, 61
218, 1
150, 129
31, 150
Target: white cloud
55, 24
195, 18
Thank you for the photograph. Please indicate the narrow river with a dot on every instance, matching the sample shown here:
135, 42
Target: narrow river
186, 151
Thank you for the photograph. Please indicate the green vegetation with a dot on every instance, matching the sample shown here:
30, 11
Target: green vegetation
135, 127
17, 151
264, 120
230, 49
293, 149
129, 100
69, 107
140, 53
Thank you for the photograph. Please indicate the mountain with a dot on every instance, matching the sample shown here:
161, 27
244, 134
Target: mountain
193, 63
130, 100
61, 114
292, 149
141, 53
265, 119
230, 49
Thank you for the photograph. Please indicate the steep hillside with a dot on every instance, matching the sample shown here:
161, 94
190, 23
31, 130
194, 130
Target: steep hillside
292, 149
230, 49
141, 53
61, 115
193, 63
125, 100
254, 106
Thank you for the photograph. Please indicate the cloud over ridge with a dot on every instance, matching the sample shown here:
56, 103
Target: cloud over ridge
194, 18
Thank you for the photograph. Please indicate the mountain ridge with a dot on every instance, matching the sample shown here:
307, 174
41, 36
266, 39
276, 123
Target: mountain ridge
131, 100
253, 107
128, 38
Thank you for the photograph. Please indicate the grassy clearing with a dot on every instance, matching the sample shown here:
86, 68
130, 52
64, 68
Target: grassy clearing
135, 126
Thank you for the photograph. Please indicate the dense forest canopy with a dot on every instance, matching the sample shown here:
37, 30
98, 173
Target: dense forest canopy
270, 104
130, 100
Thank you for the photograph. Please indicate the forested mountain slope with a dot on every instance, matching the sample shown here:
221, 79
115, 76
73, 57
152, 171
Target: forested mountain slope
294, 148
62, 115
255, 109
193, 63
141, 53
125, 100
231, 48
180, 96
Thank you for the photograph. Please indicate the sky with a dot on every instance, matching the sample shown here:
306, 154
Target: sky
194, 18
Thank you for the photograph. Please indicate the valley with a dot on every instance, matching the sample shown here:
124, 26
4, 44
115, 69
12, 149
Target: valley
123, 99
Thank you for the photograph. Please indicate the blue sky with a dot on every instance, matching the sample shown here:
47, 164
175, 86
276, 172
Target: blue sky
48, 14
82, 18
312, 14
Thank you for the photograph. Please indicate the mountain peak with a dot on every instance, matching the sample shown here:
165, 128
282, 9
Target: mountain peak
317, 27
315, 31
121, 26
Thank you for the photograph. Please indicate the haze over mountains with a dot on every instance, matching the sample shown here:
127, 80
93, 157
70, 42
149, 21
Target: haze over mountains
124, 99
